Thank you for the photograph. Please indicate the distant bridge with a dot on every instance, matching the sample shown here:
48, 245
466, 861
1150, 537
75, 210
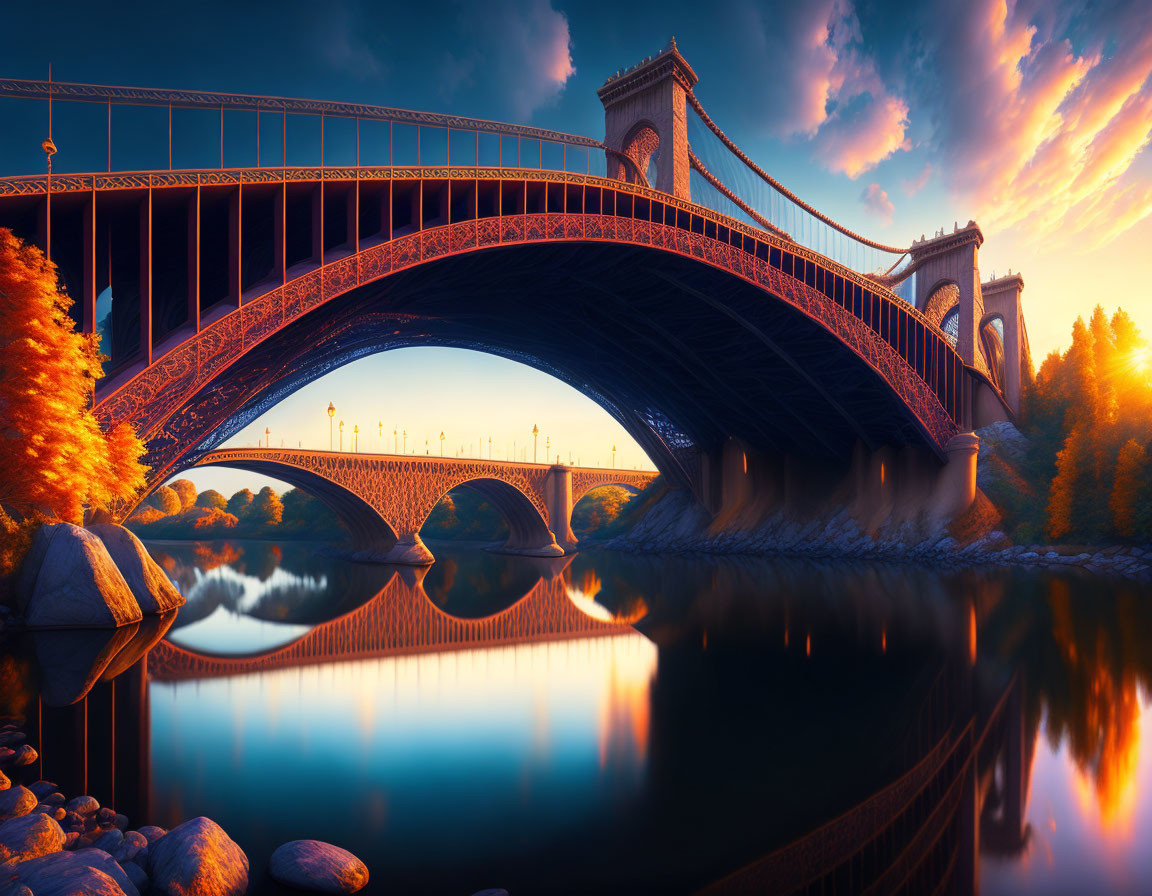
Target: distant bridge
385, 499
737, 341
400, 620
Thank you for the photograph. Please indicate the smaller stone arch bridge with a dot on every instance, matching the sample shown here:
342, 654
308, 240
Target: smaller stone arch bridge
384, 499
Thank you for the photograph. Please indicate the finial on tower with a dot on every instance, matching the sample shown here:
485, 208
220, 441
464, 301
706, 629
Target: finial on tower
671, 43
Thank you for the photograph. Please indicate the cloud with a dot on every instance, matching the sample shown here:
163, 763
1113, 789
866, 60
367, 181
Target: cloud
914, 185
877, 202
1038, 114
807, 76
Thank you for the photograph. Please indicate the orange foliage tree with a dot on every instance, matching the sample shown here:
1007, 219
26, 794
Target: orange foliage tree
57, 460
1090, 412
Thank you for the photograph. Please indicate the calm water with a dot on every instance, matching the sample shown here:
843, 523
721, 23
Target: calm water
616, 724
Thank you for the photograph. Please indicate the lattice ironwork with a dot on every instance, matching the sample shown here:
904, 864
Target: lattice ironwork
400, 620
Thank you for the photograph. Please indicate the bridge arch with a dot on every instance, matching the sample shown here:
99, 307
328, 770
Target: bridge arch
528, 531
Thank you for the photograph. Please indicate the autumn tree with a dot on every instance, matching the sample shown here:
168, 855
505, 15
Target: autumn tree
211, 499
186, 491
58, 461
165, 500
266, 509
239, 503
1129, 488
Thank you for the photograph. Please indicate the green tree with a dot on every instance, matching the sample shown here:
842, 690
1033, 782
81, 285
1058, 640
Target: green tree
1130, 489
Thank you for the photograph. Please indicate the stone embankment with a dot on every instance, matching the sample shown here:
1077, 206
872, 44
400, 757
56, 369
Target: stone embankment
676, 524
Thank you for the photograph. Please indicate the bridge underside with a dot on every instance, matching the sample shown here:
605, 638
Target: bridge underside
686, 356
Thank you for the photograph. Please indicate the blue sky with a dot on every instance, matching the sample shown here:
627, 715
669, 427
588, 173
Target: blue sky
895, 118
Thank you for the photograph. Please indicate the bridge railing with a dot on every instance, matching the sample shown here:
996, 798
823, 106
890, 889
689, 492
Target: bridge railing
116, 129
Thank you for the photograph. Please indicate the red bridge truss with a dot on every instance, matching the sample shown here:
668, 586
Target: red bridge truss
399, 620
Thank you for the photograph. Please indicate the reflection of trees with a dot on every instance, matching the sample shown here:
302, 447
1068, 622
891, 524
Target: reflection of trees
1085, 650
474, 584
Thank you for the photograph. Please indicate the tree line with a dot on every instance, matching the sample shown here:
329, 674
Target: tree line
1086, 473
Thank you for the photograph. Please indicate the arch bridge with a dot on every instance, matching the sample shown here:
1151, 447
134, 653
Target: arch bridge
385, 499
743, 344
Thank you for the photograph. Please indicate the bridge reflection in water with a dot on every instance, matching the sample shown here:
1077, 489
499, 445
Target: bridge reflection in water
648, 716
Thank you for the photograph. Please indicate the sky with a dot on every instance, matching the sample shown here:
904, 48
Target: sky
894, 118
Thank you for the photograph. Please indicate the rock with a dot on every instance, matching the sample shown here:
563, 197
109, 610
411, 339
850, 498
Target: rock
197, 857
71, 662
12, 737
131, 847
105, 815
16, 801
73, 822
317, 867
109, 841
25, 755
86, 871
82, 805
121, 821
71, 838
137, 875
43, 789
4, 782
68, 580
151, 832
28, 837
150, 585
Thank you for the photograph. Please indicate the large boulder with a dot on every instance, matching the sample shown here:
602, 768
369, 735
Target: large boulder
150, 585
72, 661
197, 859
317, 867
16, 801
85, 871
28, 837
68, 580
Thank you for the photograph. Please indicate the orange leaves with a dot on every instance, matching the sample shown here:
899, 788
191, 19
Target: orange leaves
56, 459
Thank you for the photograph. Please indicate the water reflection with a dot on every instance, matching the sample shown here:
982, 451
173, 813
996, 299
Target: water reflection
643, 724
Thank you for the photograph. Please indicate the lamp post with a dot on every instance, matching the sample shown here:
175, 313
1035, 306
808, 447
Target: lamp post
380, 426
547, 448
356, 438
395, 442
405, 441
425, 447
267, 436
613, 455
341, 435
331, 414
489, 447
535, 436
441, 443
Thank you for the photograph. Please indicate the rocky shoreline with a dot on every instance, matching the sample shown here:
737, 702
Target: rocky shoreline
676, 524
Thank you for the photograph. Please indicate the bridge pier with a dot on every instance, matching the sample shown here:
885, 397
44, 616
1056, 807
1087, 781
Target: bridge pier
409, 550
558, 501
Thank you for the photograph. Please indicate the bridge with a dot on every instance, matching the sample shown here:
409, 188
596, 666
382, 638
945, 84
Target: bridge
745, 342
385, 499
401, 620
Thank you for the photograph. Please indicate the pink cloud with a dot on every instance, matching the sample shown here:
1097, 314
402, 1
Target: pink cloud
877, 202
1035, 134
853, 144
914, 185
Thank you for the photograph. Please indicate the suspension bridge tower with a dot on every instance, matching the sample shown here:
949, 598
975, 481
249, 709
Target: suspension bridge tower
645, 121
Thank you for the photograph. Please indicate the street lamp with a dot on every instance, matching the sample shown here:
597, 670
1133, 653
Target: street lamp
341, 435
380, 426
547, 448
267, 436
331, 414
425, 447
489, 447
395, 442
441, 443
535, 436
613, 455
405, 441
356, 437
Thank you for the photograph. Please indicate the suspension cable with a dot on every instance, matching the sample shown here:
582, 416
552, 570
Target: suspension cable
779, 187
732, 197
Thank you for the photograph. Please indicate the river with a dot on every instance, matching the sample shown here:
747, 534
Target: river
609, 723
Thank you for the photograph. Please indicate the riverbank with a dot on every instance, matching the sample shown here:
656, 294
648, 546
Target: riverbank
677, 524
